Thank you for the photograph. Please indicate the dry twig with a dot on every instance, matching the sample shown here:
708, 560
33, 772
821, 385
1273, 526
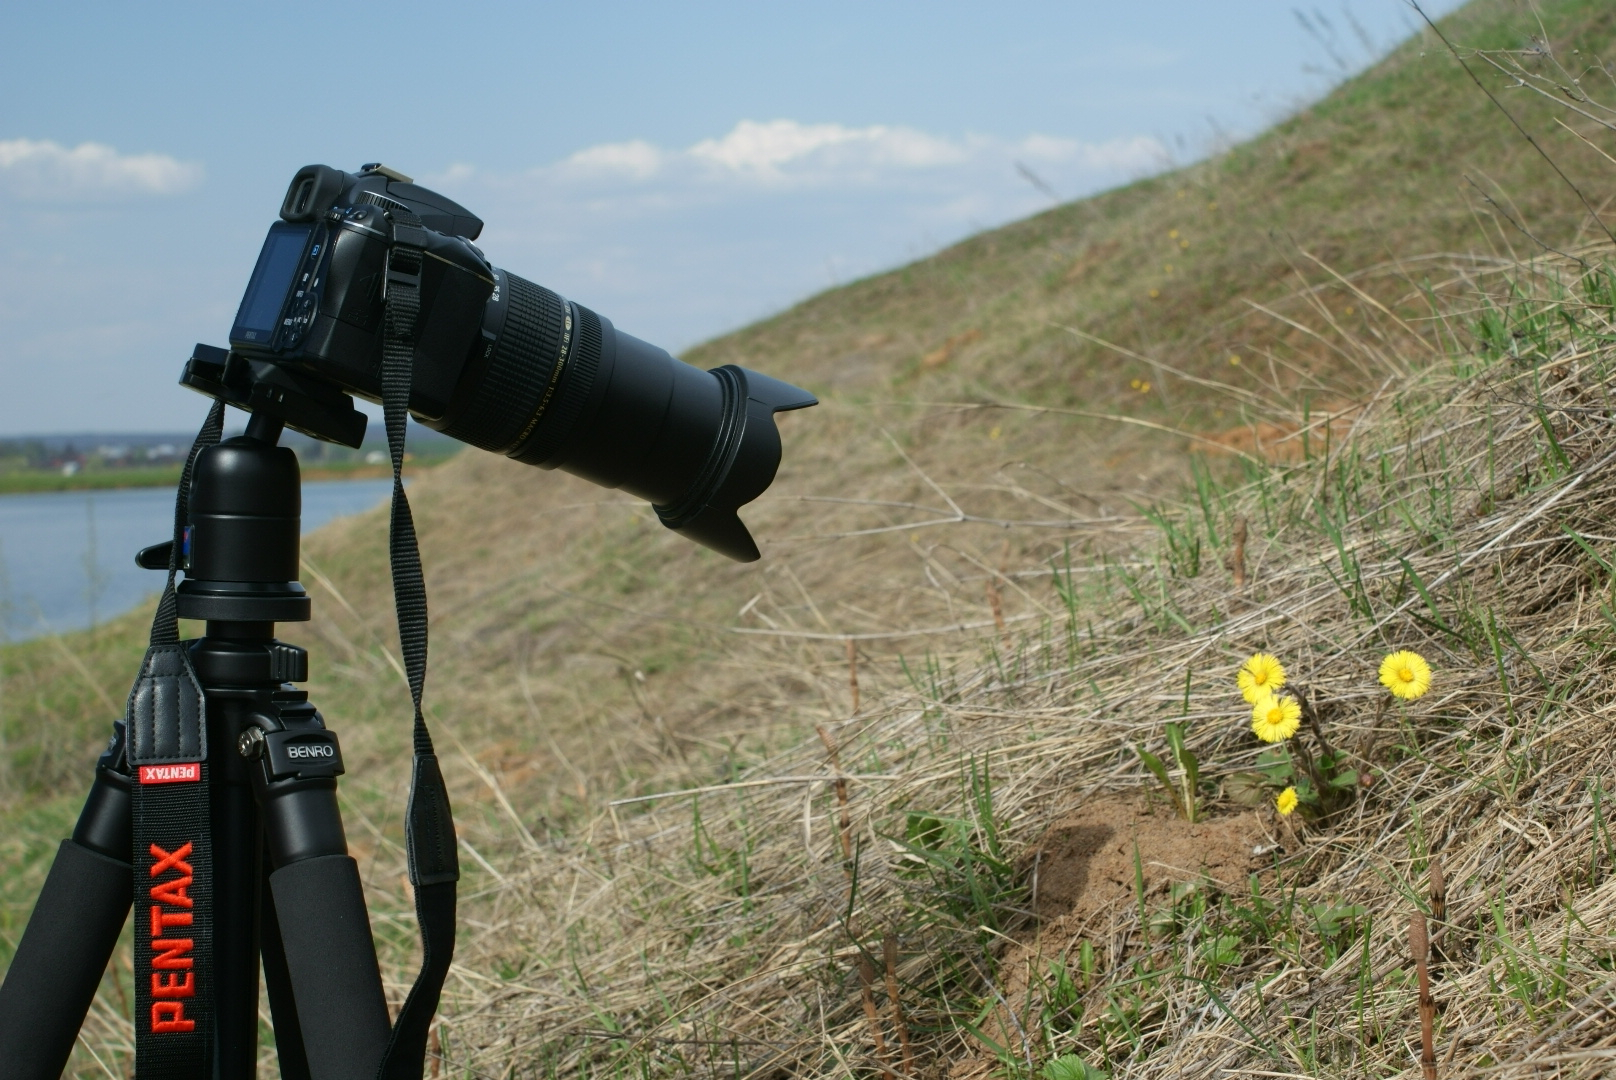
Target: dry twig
845, 820
1419, 945
866, 974
889, 953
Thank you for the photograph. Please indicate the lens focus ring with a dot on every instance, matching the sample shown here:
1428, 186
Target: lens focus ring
550, 433
519, 373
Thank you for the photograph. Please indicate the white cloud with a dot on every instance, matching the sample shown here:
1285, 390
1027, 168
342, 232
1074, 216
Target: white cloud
777, 153
1138, 153
762, 149
50, 172
1142, 153
636, 158
677, 243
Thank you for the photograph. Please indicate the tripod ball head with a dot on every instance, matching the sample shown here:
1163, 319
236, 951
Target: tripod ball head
241, 542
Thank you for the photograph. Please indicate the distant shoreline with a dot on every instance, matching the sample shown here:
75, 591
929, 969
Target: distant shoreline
37, 481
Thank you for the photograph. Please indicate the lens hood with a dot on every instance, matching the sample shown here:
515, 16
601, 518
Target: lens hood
742, 463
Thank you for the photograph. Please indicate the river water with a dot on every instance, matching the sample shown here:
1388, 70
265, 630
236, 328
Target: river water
67, 558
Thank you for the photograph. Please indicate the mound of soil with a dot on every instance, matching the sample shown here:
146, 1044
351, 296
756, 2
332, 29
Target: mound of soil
1083, 879
1084, 867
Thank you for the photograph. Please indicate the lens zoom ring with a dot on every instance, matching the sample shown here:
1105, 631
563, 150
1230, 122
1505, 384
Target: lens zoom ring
524, 360
576, 382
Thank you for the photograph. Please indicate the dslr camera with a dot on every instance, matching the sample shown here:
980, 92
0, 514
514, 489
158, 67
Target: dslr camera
499, 362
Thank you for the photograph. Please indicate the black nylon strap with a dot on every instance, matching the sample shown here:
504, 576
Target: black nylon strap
173, 851
429, 829
166, 622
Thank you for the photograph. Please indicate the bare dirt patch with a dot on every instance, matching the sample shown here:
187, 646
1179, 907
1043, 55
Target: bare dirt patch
1085, 876
1084, 868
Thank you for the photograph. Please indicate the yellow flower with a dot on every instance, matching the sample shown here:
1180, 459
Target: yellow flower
1275, 718
1405, 674
1261, 674
1286, 801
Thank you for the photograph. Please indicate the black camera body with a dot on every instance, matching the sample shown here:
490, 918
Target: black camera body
315, 299
499, 362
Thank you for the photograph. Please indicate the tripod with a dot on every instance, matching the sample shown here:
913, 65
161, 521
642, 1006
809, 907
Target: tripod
282, 888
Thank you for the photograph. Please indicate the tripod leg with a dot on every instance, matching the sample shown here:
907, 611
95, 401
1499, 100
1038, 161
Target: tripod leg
70, 937
332, 961
324, 929
278, 982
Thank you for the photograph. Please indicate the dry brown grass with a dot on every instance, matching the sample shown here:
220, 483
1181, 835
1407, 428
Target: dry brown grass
655, 937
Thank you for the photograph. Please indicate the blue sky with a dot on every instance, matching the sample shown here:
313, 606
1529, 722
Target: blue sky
684, 169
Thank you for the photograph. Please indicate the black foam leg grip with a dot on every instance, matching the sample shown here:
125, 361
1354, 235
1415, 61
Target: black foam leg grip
278, 984
331, 958
60, 961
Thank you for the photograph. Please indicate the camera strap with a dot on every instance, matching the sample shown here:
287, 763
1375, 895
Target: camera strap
434, 865
173, 850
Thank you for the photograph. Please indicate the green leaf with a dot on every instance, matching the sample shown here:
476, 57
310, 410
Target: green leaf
1175, 739
1248, 788
1154, 764
1072, 1067
1332, 919
1419, 587
1276, 765
1348, 779
1190, 765
1223, 949
923, 831
1583, 544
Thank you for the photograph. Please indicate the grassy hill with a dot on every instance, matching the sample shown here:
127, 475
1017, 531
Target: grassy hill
1012, 522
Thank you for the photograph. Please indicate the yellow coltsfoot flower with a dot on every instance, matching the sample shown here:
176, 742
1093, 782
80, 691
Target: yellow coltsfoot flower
1275, 718
1405, 674
1259, 675
1286, 802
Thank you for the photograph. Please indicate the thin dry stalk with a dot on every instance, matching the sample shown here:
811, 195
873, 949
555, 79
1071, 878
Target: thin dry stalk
996, 604
434, 1052
866, 974
852, 674
1237, 557
1439, 904
1439, 894
889, 953
846, 820
1420, 945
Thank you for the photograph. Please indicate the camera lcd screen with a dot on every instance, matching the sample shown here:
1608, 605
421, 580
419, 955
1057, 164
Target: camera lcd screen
271, 278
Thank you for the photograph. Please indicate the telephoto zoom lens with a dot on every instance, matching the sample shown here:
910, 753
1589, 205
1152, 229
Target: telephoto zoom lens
558, 386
